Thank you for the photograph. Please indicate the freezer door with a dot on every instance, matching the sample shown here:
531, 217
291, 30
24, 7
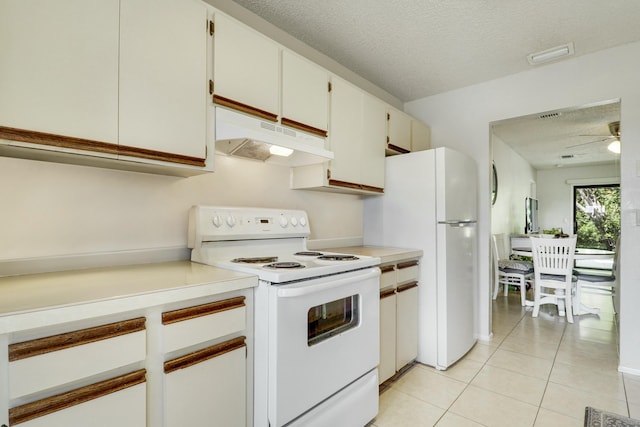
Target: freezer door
456, 189
456, 283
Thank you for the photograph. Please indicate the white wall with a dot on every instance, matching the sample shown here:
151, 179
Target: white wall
515, 176
555, 195
460, 119
50, 209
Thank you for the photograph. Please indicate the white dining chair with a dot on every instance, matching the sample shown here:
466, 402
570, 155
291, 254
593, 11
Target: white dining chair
553, 273
597, 281
509, 272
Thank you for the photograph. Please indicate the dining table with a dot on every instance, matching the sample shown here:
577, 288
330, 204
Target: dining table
580, 254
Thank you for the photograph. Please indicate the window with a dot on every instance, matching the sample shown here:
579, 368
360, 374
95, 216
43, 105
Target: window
596, 215
332, 318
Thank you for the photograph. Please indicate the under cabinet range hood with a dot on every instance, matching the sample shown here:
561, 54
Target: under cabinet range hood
241, 135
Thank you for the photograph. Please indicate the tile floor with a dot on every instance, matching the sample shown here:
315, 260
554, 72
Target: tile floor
534, 372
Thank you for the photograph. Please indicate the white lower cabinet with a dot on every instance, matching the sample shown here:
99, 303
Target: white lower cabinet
398, 317
76, 377
207, 386
177, 364
388, 313
116, 407
210, 391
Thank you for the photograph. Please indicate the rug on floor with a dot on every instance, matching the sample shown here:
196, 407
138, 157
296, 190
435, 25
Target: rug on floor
596, 418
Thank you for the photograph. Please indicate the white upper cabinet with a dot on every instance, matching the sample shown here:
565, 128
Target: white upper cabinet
305, 94
373, 134
163, 81
59, 68
420, 136
398, 131
246, 71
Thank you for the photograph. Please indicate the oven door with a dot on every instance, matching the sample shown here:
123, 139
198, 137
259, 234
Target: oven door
327, 336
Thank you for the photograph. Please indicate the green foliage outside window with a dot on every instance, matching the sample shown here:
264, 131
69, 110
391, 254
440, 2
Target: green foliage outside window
597, 216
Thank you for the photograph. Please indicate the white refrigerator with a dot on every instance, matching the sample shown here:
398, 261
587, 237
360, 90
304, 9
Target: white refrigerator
430, 203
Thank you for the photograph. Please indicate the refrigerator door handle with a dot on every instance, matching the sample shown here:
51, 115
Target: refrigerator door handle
458, 223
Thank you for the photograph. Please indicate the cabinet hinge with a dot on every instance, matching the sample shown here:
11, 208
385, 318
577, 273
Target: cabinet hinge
212, 27
387, 140
328, 173
388, 116
210, 87
329, 86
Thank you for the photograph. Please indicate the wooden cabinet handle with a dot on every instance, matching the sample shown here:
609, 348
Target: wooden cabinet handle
407, 264
202, 310
204, 354
39, 408
25, 349
387, 269
407, 286
301, 126
387, 293
239, 106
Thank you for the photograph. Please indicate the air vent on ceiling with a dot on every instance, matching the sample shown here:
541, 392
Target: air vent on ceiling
549, 115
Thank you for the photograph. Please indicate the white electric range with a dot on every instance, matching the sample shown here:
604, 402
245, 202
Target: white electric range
316, 315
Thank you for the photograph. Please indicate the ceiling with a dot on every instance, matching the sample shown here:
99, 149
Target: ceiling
562, 138
417, 48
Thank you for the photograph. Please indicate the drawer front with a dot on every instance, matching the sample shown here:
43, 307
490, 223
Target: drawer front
194, 325
407, 271
52, 361
387, 276
118, 402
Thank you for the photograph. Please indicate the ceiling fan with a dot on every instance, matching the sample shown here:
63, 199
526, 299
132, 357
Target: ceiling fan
614, 145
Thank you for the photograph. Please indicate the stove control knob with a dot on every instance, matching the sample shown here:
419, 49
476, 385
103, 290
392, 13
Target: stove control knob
217, 221
303, 221
283, 221
294, 221
231, 221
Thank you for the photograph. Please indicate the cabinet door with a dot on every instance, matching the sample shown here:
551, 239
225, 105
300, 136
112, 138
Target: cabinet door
346, 131
305, 94
163, 82
117, 402
398, 131
209, 389
245, 68
420, 136
373, 134
59, 67
407, 327
387, 366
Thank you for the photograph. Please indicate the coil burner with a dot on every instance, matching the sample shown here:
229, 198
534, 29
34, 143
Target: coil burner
256, 260
338, 258
284, 265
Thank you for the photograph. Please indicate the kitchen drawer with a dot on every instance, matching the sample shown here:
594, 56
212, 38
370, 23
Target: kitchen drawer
387, 276
119, 401
59, 359
407, 271
194, 325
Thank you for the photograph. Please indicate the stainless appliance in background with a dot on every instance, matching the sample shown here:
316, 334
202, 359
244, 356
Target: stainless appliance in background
430, 203
316, 317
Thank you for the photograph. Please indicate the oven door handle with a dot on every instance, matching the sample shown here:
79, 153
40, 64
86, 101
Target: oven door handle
298, 290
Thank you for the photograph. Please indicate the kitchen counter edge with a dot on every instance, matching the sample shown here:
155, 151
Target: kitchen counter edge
83, 294
385, 253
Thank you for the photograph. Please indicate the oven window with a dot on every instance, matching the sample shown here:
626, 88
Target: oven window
332, 318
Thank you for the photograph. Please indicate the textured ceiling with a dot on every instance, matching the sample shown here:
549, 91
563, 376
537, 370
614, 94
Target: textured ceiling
417, 48
543, 139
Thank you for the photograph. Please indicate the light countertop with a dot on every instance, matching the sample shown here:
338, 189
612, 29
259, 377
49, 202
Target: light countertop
386, 254
78, 294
